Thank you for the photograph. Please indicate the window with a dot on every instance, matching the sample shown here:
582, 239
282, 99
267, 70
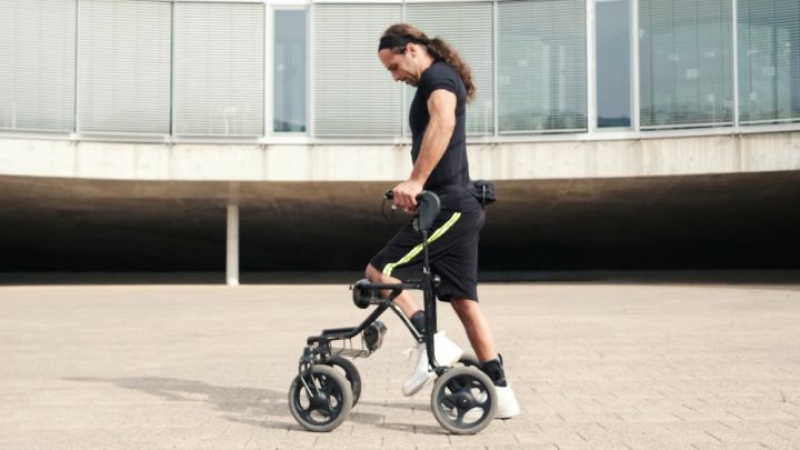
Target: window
613, 63
685, 63
769, 60
289, 71
468, 28
354, 94
219, 69
124, 66
37, 65
541, 66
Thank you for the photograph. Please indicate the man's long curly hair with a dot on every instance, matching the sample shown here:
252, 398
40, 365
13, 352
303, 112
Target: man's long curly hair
438, 48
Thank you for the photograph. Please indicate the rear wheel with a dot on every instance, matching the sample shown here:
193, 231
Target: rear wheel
350, 373
464, 400
469, 360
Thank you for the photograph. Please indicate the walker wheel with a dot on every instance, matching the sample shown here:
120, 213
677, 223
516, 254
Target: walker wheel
464, 400
324, 403
350, 373
469, 360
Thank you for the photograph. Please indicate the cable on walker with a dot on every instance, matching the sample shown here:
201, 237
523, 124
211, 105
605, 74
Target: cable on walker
328, 384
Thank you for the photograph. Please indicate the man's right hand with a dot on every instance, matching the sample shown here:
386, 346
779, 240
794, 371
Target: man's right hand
405, 195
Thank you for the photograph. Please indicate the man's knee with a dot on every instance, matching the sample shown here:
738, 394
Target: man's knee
374, 275
463, 306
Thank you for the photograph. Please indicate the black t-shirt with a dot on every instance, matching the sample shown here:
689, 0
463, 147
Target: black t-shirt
450, 178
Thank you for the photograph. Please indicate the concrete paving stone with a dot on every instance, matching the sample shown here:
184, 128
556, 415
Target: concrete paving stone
647, 439
706, 445
594, 365
735, 431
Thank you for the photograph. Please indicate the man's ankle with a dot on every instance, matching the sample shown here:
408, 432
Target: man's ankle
418, 321
494, 369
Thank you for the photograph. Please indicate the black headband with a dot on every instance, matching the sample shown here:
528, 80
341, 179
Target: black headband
397, 42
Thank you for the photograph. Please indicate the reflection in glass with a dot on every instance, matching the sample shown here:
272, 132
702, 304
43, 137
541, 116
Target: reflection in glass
685, 63
541, 66
289, 108
613, 63
769, 60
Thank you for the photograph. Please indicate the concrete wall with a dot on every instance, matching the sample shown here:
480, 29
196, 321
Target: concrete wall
724, 201
551, 159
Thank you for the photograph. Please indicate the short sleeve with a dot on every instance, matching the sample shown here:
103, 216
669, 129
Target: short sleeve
440, 76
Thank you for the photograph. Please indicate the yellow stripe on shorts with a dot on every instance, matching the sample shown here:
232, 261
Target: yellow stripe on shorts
415, 251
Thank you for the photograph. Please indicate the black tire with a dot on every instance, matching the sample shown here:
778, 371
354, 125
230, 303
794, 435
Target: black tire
350, 373
464, 400
326, 404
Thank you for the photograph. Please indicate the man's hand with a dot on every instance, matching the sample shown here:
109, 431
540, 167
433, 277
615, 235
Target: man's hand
405, 195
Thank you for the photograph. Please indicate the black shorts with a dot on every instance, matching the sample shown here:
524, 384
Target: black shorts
452, 248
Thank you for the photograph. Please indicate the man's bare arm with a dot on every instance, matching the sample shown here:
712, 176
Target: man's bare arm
442, 110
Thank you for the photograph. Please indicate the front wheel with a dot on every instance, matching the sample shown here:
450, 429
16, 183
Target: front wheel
320, 398
464, 400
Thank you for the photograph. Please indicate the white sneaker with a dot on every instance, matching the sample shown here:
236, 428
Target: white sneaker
447, 353
507, 406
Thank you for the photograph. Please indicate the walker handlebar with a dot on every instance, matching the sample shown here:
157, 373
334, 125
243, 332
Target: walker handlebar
428, 207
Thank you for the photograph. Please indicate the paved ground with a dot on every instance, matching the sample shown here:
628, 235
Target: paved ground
595, 366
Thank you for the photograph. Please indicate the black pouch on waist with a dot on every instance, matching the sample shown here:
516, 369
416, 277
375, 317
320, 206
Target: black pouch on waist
484, 191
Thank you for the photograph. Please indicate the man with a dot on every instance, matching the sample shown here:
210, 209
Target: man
438, 119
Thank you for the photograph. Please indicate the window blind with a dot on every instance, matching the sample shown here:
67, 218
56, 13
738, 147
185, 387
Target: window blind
685, 63
124, 66
468, 28
218, 69
37, 65
541, 66
354, 95
769, 60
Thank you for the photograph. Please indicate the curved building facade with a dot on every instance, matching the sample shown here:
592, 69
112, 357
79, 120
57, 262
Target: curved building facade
271, 127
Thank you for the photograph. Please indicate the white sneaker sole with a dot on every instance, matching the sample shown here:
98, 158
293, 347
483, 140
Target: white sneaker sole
416, 384
507, 405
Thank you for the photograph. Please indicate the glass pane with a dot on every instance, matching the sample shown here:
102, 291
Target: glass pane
613, 63
685, 63
124, 67
769, 60
219, 69
289, 94
37, 65
541, 66
354, 95
467, 27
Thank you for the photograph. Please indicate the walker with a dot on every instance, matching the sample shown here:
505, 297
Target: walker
463, 399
